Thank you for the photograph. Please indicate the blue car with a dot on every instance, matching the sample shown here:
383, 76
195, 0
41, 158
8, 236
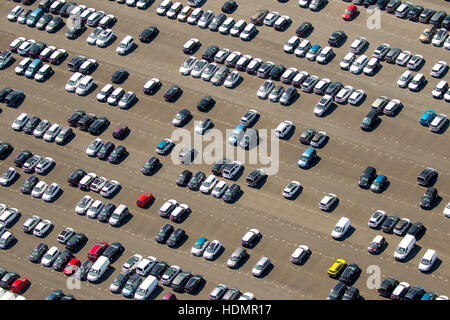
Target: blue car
307, 158
236, 135
313, 52
199, 247
429, 296
379, 183
164, 146
427, 117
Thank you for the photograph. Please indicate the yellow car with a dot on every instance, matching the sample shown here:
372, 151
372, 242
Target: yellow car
185, 13
336, 268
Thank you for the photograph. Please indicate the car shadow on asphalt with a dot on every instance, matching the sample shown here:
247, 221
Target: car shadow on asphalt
126, 219
330, 110
290, 133
80, 246
243, 261
180, 242
335, 205
294, 100
14, 180
106, 275
434, 267
156, 292
324, 143
131, 50
185, 216
48, 170
435, 203
415, 250
444, 128
374, 126
347, 235
12, 244
131, 104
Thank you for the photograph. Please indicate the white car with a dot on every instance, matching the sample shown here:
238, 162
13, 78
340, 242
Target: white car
167, 208
14, 13
51, 192
8, 176
6, 239
226, 26
416, 82
95, 209
427, 261
393, 107
248, 295
125, 45
42, 228
20, 121
371, 66
328, 201
347, 61
104, 38
358, 44
172, 13
302, 48
343, 94
323, 105
356, 97
447, 210
87, 66
110, 188
243, 61
219, 189
57, 56
221, 55
188, 65
438, 69
179, 212
92, 38
41, 128
438, 122
291, 44
65, 235
163, 7
439, 38
359, 64
233, 58
208, 184
199, 247
44, 72
22, 66
403, 58
198, 68
288, 75
50, 256
415, 61
83, 205
25, 47
39, 189
405, 79
29, 225
94, 147
318, 139
265, 89
17, 42
103, 94
44, 165
270, 19
84, 86
195, 16
232, 79
211, 251
131, 263
73, 82
376, 219
115, 96
145, 265
402, 287
325, 55
52, 132
341, 228
98, 184
248, 32
283, 129
8, 216
291, 189
440, 89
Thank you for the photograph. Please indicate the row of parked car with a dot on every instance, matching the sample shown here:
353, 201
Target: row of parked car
392, 289
11, 280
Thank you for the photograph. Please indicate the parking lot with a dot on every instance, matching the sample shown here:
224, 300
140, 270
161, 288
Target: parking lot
399, 148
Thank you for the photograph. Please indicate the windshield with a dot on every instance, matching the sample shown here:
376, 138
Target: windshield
401, 250
338, 229
425, 262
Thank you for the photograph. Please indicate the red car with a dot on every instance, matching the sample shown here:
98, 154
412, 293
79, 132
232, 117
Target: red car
144, 199
72, 266
97, 250
19, 284
350, 12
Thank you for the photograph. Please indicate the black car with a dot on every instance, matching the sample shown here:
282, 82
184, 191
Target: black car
13, 99
44, 20
5, 150
22, 157
8, 279
416, 229
113, 251
382, 4
31, 125
217, 21
338, 291
426, 15
76, 241
437, 18
106, 212
390, 222
66, 8
369, 120
36, 49
184, 178
392, 6
105, 150
336, 38
304, 29
75, 63
172, 93
159, 269
75, 177
4, 93
164, 233
367, 177
255, 178
334, 88
307, 135
119, 75
428, 198
29, 184
368, 3
117, 154
45, 4
427, 176
150, 166
446, 23
181, 117
175, 237
352, 293
350, 273
38, 252
119, 281
62, 260
414, 293
148, 34
219, 165
277, 71
254, 69
392, 55
54, 25
415, 12
229, 6
180, 281
387, 286
205, 104
210, 52
194, 283
232, 193
85, 121
196, 180
99, 125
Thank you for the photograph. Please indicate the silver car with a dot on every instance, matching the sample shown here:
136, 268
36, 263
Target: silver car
261, 266
236, 258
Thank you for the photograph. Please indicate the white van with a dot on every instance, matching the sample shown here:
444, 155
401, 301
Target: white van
126, 44
85, 85
118, 215
8, 296
404, 248
146, 288
341, 228
98, 269
428, 259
